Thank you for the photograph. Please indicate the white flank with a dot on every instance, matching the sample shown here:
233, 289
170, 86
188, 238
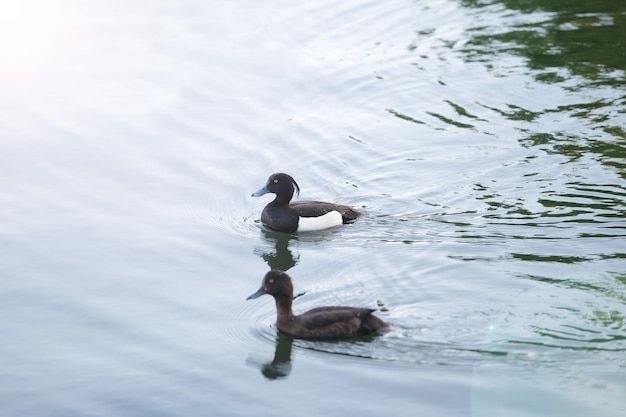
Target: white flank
330, 219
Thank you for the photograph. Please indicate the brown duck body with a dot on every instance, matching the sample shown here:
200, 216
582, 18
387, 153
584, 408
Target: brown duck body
319, 323
331, 323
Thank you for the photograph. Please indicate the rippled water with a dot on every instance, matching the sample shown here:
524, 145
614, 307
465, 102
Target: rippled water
484, 141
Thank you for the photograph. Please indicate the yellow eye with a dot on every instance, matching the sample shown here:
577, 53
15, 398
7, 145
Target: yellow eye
271, 280
275, 180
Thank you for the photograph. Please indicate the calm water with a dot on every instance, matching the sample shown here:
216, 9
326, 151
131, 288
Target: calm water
485, 141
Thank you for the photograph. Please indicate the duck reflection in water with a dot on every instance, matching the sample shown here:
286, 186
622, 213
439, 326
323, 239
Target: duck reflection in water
280, 366
276, 252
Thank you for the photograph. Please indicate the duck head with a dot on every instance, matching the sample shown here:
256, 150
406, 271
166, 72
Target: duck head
281, 184
277, 284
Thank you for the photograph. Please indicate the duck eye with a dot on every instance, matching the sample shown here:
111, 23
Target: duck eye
275, 180
271, 280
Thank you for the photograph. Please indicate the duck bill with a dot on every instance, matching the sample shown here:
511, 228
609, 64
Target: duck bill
257, 294
261, 192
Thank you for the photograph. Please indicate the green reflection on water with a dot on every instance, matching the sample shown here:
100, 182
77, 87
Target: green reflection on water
579, 46
549, 258
585, 37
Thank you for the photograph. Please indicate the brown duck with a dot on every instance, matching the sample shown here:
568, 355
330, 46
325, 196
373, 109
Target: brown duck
320, 322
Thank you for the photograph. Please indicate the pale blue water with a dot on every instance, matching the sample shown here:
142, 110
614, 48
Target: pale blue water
484, 141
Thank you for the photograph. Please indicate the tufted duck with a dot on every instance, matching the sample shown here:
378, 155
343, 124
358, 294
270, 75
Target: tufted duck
282, 216
318, 323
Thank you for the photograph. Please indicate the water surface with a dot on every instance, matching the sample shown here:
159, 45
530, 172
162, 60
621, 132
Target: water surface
484, 140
